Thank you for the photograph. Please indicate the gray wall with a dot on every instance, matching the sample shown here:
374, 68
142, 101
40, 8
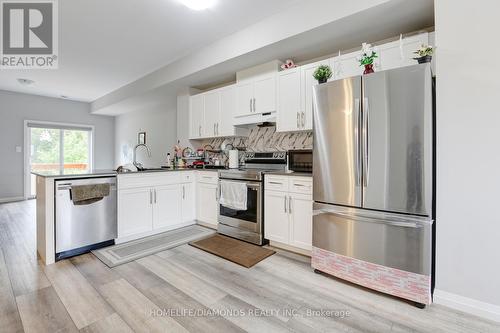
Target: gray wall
16, 107
468, 136
159, 123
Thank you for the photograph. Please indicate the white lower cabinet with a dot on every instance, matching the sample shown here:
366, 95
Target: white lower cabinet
153, 203
207, 205
277, 224
166, 206
288, 214
135, 213
188, 210
300, 206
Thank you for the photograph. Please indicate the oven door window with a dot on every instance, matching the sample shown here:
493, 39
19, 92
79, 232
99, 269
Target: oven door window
250, 214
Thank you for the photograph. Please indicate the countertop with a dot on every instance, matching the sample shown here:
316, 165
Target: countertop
106, 172
289, 173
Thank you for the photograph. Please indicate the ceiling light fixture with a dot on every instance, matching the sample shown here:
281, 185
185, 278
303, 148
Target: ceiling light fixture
198, 4
25, 82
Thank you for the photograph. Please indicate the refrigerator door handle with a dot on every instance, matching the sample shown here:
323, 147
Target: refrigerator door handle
356, 120
407, 223
366, 141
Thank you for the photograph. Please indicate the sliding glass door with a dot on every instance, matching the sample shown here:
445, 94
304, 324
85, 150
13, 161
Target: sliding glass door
57, 149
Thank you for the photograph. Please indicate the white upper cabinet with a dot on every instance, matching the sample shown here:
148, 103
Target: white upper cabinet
228, 109
197, 116
291, 115
390, 55
399, 54
346, 65
308, 82
256, 90
256, 95
244, 98
212, 113
265, 94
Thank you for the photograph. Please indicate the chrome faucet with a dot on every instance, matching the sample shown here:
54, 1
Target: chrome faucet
137, 164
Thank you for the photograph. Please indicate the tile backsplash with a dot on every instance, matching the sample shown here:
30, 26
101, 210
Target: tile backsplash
262, 139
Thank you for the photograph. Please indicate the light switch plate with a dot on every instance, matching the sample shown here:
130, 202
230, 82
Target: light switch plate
19, 149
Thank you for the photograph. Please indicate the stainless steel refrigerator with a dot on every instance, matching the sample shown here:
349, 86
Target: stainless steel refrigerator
373, 181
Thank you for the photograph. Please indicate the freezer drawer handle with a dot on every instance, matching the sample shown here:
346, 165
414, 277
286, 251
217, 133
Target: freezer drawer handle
391, 222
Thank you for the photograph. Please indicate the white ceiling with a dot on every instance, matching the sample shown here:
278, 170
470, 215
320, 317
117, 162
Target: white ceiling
105, 44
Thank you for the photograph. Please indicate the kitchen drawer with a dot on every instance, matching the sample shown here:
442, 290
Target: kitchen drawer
300, 185
186, 176
138, 180
276, 183
207, 177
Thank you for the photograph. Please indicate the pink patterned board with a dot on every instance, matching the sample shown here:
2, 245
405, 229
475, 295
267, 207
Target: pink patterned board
411, 286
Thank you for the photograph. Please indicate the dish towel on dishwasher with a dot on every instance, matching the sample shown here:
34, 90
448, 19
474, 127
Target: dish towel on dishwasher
87, 194
233, 195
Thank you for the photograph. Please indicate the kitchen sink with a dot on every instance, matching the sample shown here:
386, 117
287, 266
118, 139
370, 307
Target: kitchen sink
151, 169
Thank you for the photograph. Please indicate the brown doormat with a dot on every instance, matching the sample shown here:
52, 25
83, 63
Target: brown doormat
234, 250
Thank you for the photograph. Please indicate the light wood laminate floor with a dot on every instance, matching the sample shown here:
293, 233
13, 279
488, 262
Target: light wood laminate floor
187, 290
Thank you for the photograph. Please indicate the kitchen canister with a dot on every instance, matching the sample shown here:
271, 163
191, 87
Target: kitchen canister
233, 159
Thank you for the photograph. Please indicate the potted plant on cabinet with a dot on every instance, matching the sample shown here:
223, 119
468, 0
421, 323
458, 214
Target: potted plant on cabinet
424, 54
322, 73
366, 58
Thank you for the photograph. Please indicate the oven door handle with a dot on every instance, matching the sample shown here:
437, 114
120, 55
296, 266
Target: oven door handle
251, 184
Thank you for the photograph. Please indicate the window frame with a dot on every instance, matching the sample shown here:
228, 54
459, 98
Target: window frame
54, 125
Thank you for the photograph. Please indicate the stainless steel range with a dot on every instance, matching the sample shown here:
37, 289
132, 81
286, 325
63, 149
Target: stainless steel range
248, 225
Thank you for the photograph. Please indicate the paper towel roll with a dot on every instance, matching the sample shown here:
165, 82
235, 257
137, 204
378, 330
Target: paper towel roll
233, 159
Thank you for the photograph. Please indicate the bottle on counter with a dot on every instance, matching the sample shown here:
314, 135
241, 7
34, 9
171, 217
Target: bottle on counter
169, 161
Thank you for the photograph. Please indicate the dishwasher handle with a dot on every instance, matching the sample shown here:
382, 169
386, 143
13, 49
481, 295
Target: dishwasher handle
67, 186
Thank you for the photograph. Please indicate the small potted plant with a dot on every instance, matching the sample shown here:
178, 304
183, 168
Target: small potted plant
322, 73
366, 58
424, 54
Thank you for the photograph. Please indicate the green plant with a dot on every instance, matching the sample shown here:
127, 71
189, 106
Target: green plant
367, 55
322, 73
424, 50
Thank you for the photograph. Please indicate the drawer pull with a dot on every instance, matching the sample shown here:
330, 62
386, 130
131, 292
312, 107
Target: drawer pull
301, 185
275, 183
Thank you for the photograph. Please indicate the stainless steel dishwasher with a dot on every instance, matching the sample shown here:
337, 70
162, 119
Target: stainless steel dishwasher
81, 228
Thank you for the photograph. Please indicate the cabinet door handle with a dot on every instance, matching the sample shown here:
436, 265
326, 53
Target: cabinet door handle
254, 105
217, 128
214, 129
285, 204
155, 196
250, 105
303, 119
298, 119
150, 197
183, 192
290, 205
199, 130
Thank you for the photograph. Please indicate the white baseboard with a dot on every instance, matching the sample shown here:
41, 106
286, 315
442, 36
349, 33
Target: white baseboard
3, 200
468, 305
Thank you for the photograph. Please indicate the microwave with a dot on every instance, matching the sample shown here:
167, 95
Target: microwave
300, 160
